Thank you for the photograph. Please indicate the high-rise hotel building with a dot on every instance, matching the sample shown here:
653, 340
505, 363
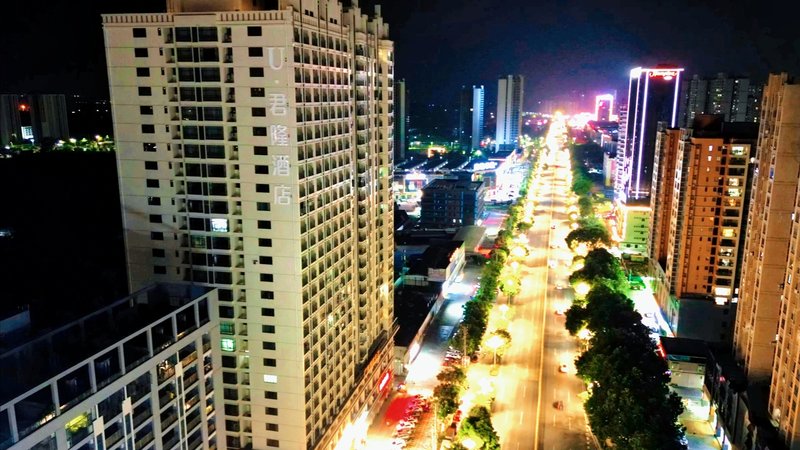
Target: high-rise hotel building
254, 146
652, 98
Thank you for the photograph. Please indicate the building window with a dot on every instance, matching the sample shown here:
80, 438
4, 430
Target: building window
264, 242
146, 110
266, 277
263, 188
159, 253
140, 52
226, 328
268, 312
256, 92
268, 345
271, 379
259, 112
254, 31
228, 344
142, 71
265, 259
154, 201
262, 206
268, 329
148, 128
267, 295
156, 236
149, 146
262, 170
145, 91
260, 150
259, 131
273, 442
271, 426
140, 32
256, 71
265, 225
160, 270
151, 183
151, 165
155, 218
255, 52
271, 411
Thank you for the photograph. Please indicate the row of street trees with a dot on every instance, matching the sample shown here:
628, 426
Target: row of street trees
630, 406
476, 430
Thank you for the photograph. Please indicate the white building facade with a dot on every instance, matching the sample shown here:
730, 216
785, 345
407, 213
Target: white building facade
136, 374
255, 156
510, 95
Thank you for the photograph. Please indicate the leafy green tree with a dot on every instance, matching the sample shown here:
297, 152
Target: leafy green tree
446, 396
454, 375
524, 226
585, 206
511, 286
581, 185
600, 266
594, 235
478, 427
630, 405
506, 339
474, 324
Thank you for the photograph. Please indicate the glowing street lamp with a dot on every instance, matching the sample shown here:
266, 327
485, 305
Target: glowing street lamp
582, 288
494, 343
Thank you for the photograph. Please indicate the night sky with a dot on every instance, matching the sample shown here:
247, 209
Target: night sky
559, 46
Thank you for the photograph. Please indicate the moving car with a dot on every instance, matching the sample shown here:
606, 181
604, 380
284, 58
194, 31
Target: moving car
563, 368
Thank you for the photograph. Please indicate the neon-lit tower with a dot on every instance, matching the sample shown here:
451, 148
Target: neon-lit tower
652, 97
603, 107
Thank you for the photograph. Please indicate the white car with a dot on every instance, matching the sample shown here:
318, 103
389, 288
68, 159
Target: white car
563, 368
559, 286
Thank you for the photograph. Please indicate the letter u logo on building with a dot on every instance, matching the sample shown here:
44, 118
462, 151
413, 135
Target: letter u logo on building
273, 64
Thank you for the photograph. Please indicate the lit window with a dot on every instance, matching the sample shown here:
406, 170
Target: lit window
728, 232
228, 345
270, 378
219, 225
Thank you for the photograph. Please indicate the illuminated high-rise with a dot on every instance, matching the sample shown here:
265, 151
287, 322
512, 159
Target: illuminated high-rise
765, 339
738, 99
510, 97
603, 107
470, 117
652, 98
699, 207
254, 150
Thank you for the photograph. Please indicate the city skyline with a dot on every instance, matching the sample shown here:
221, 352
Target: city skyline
595, 47
319, 232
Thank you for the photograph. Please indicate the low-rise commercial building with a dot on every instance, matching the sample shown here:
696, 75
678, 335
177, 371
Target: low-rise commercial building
452, 203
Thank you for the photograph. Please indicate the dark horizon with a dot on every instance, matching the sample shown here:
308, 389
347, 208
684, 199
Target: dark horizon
558, 48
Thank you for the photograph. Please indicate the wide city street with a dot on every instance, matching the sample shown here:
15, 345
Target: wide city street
538, 403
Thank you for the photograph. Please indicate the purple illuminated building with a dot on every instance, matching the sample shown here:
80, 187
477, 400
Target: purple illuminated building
653, 96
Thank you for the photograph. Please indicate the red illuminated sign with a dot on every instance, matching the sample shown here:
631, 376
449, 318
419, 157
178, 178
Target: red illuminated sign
666, 74
23, 107
385, 380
